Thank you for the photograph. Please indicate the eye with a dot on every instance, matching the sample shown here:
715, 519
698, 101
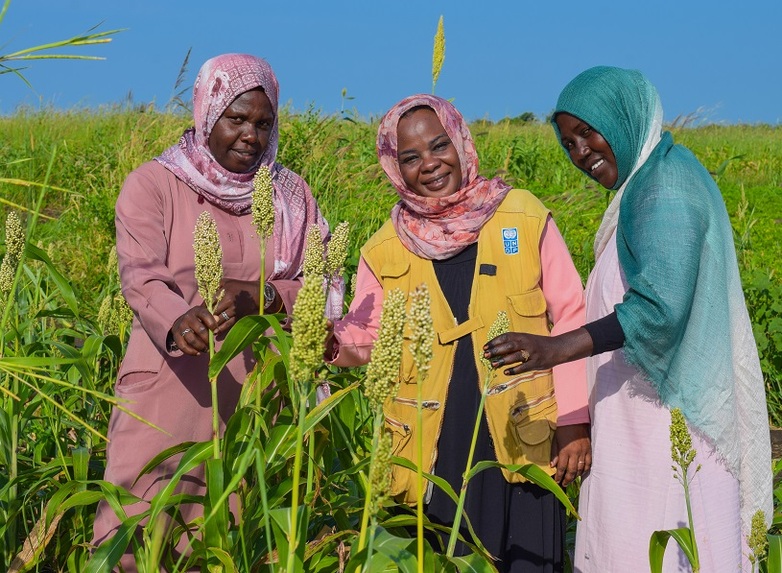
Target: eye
408, 159
586, 132
567, 145
441, 145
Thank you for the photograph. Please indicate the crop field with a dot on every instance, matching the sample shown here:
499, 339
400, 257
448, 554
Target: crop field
62, 335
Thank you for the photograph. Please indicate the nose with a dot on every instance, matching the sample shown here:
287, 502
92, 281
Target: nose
429, 162
249, 134
581, 149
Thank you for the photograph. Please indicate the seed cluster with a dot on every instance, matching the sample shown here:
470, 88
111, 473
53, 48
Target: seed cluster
386, 358
14, 245
757, 540
263, 205
682, 451
338, 250
208, 259
501, 325
422, 330
380, 471
438, 53
308, 328
313, 253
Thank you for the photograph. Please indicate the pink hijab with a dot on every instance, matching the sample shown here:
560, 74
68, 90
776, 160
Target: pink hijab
219, 82
438, 228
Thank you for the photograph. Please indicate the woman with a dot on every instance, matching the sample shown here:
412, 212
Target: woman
668, 328
164, 372
481, 247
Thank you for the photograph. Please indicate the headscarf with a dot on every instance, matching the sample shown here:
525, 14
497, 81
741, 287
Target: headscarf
684, 316
632, 136
219, 82
439, 227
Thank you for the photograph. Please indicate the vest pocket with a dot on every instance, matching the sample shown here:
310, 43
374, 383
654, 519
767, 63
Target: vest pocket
533, 429
400, 421
529, 312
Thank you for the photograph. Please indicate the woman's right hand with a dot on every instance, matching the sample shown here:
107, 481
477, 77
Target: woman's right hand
191, 330
534, 352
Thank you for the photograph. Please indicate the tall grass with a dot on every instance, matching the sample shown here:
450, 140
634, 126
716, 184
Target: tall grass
62, 172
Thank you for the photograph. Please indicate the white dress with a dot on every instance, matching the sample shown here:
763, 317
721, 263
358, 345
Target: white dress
631, 491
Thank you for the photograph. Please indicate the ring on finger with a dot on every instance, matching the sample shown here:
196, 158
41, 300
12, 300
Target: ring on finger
225, 316
185, 331
524, 355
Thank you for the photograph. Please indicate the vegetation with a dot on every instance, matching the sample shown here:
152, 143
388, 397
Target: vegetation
63, 333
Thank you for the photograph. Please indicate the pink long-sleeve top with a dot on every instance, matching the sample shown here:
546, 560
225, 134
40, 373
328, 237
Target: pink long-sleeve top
355, 334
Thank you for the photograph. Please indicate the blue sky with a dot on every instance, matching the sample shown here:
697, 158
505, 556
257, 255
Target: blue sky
721, 61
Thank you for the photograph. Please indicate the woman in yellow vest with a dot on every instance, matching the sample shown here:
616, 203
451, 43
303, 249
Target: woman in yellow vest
480, 247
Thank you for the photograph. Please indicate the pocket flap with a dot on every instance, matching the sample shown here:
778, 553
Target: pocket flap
394, 270
534, 432
530, 303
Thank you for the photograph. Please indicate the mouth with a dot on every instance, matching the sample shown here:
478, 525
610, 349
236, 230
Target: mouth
437, 183
597, 165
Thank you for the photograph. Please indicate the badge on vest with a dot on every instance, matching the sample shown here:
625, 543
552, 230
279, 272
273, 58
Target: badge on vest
510, 239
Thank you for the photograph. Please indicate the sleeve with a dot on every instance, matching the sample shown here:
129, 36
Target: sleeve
564, 295
142, 249
606, 334
355, 334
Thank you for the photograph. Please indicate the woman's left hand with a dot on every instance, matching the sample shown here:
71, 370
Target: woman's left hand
240, 299
571, 453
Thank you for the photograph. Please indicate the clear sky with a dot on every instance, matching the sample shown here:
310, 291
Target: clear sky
719, 60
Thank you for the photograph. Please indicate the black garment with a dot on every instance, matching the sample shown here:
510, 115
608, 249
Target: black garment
522, 525
606, 333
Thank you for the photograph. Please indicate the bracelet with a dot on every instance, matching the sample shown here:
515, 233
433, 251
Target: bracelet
269, 295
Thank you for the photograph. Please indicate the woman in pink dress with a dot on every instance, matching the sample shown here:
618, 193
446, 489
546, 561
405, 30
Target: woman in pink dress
667, 327
163, 376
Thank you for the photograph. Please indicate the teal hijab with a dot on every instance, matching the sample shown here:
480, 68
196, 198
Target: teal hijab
684, 317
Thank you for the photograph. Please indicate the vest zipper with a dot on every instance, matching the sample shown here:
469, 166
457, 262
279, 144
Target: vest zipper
505, 386
425, 404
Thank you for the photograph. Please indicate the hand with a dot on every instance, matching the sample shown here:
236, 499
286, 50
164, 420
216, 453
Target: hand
571, 452
190, 331
329, 353
535, 352
240, 299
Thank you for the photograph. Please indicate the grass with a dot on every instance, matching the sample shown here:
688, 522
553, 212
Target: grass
57, 319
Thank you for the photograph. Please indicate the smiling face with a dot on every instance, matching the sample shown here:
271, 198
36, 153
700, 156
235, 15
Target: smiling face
427, 157
242, 133
588, 150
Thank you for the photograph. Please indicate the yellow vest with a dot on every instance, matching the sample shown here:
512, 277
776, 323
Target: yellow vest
521, 410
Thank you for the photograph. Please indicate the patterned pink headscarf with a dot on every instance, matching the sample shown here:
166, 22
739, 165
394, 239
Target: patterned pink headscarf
219, 82
438, 228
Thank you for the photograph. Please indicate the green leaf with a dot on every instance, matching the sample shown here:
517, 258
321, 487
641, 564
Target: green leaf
65, 288
242, 334
659, 541
774, 562
108, 554
531, 473
473, 563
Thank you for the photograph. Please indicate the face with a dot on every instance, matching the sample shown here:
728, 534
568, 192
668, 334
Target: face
427, 157
588, 150
242, 133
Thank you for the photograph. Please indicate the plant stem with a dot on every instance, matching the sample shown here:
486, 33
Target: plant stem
293, 533
419, 445
463, 493
696, 565
215, 409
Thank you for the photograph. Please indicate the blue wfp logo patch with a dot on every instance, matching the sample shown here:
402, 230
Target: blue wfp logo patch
510, 240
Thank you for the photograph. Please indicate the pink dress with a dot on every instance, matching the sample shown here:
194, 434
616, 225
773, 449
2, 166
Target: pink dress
155, 217
631, 491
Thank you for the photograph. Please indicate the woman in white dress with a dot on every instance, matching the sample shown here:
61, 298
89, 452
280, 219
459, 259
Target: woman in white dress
667, 327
